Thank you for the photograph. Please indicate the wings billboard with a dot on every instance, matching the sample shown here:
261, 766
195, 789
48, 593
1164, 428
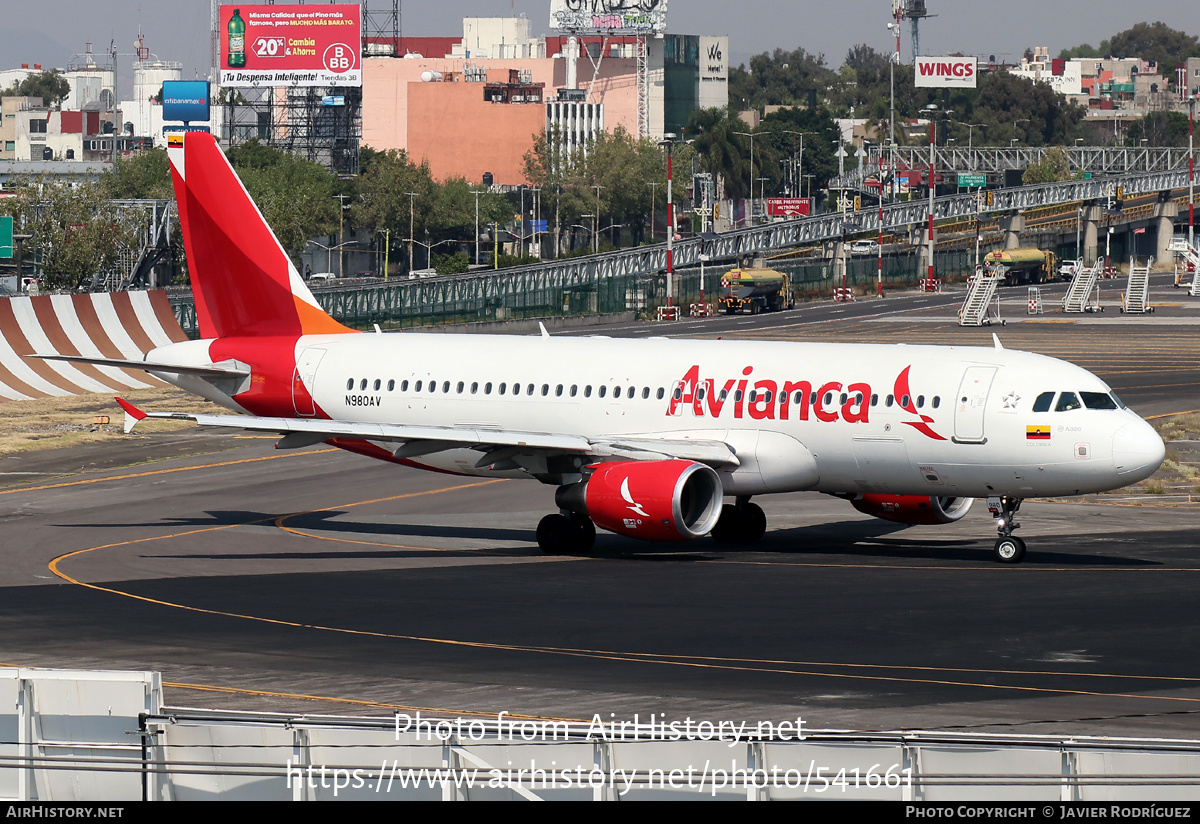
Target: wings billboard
292, 45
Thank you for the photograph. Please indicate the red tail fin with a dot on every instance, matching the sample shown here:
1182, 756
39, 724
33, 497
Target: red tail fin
243, 281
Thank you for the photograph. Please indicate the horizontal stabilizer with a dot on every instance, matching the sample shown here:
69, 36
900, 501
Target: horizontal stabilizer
214, 371
133, 415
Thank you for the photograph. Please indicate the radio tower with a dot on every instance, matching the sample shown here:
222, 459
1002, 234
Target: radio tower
913, 10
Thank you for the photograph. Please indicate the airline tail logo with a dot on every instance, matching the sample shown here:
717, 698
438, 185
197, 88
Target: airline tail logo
243, 281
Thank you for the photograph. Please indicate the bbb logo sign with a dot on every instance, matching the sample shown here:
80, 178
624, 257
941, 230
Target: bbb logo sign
339, 58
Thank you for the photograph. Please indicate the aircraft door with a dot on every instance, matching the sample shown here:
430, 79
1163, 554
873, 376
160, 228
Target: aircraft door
303, 381
971, 403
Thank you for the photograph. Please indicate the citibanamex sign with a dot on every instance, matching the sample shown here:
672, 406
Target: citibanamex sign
940, 72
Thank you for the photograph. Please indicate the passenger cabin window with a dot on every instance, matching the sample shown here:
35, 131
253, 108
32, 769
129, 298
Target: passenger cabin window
1066, 402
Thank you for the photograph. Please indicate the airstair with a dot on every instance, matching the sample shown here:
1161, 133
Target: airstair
1191, 258
976, 305
1083, 295
1137, 291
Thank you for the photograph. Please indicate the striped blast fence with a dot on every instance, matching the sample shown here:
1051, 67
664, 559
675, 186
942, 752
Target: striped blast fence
106, 325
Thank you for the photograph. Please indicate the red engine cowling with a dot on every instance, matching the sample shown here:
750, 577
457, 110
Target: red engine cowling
651, 500
913, 509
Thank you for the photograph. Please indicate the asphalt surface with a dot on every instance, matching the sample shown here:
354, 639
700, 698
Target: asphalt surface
316, 581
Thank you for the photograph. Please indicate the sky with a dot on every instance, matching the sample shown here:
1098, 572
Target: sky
51, 31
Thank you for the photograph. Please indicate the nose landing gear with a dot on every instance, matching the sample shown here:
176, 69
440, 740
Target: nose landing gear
1009, 549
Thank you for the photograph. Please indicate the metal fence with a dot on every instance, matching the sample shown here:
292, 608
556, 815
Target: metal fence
105, 737
518, 296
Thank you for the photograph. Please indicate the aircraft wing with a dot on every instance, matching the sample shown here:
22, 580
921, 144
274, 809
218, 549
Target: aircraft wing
414, 441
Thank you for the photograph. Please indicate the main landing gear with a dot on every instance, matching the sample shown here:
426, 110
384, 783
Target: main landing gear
740, 523
566, 533
1009, 549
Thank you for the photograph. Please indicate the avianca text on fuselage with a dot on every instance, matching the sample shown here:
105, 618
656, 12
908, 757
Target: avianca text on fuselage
768, 399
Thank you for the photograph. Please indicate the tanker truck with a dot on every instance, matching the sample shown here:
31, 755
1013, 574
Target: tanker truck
1023, 266
755, 290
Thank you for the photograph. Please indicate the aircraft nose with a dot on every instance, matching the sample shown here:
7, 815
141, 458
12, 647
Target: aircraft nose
1138, 451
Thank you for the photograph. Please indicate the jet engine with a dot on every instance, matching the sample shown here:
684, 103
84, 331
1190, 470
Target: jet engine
670, 500
913, 509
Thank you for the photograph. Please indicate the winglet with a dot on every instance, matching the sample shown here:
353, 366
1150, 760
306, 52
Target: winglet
133, 415
996, 340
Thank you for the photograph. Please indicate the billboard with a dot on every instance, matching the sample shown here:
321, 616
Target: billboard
185, 100
787, 206
607, 16
317, 45
941, 72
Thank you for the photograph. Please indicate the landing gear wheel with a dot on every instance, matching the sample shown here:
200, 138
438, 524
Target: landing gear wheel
743, 524
755, 523
1009, 550
729, 526
555, 535
585, 531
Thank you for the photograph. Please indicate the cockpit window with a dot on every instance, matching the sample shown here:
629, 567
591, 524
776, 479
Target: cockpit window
1119, 402
1042, 404
1098, 400
1066, 402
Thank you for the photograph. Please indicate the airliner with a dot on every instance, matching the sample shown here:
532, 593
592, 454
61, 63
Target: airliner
654, 439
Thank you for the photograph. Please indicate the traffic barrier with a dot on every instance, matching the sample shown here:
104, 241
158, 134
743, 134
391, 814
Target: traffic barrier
107, 325
1035, 300
668, 313
701, 310
843, 295
935, 284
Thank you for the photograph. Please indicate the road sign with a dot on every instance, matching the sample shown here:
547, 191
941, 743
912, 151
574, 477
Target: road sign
6, 237
971, 180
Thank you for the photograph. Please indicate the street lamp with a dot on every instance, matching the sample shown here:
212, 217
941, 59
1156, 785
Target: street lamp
477, 194
750, 211
412, 199
596, 243
1191, 174
668, 141
797, 171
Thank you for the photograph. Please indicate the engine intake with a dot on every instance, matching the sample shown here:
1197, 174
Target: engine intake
652, 500
913, 509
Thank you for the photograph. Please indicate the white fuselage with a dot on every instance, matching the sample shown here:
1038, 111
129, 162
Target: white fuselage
894, 419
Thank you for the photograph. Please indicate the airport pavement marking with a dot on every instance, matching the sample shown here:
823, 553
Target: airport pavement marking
690, 661
163, 471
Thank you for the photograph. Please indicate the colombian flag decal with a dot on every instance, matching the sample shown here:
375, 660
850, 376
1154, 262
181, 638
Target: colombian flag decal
1037, 433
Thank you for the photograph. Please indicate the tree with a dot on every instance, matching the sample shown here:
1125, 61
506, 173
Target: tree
1086, 51
1159, 129
145, 175
295, 196
619, 164
1054, 168
75, 231
782, 78
722, 151
51, 86
1156, 42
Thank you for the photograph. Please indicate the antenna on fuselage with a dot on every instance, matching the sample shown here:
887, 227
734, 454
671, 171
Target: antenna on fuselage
996, 340
542, 326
